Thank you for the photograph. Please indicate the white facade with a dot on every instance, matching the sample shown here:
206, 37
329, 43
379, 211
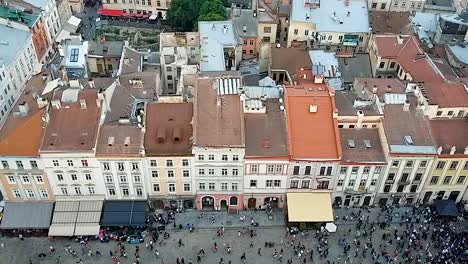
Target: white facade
49, 7
124, 178
311, 175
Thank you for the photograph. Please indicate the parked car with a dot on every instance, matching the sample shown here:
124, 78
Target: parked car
135, 239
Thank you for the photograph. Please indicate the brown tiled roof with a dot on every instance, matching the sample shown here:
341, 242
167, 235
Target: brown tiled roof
219, 120
132, 61
265, 134
446, 94
22, 135
71, 128
383, 86
312, 135
345, 105
449, 133
289, 59
390, 22
360, 152
399, 123
119, 140
168, 129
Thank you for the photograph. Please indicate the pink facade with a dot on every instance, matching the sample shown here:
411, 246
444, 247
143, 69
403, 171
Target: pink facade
249, 49
260, 201
219, 201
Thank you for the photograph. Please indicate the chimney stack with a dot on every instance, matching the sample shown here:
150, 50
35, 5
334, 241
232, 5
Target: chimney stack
23, 108
452, 150
91, 83
82, 104
406, 106
466, 151
439, 150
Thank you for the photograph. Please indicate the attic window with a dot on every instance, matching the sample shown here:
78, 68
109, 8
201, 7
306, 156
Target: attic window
409, 140
266, 143
351, 143
367, 143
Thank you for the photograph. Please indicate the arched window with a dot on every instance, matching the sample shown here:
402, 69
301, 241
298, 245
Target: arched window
233, 200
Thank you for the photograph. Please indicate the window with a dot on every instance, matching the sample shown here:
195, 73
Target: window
254, 168
64, 190
211, 186
84, 163
354, 170
30, 193
156, 187
340, 183
91, 190
201, 171
125, 192
235, 157
17, 193
414, 188
154, 174
279, 169
88, 176
106, 166
330, 37
277, 183
461, 179
111, 191
185, 162
434, 180
5, 164
343, 170
19, 164
373, 182
440, 165
185, 173
211, 171
70, 163
374, 5
387, 188
366, 170
59, 177
224, 186
120, 166
186, 187
253, 183
269, 183
382, 65
170, 174
33, 164
296, 170
392, 64
307, 170
400, 188
224, 157
235, 172
136, 178
351, 183
418, 177
234, 186
123, 178
305, 184
211, 157
423, 164
135, 166
73, 177
296, 31
169, 163
306, 32
139, 191
391, 177
294, 184
25, 179
153, 163
158, 3
201, 186
383, 5
447, 179
44, 193
224, 172
251, 43
396, 163
11, 179
362, 183
270, 168
266, 39
439, 113
267, 30
404, 177
453, 165
409, 164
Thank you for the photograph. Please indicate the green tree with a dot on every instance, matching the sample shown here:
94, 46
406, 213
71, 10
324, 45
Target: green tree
182, 14
212, 10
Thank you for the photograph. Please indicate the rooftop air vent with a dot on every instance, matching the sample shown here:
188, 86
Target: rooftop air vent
409, 140
351, 143
367, 143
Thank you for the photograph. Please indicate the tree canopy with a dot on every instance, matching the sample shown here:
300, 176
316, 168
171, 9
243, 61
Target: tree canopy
183, 15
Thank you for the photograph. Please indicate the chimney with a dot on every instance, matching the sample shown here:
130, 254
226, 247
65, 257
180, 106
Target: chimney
161, 134
41, 102
389, 89
82, 104
244, 28
406, 106
56, 104
176, 137
23, 109
98, 103
374, 89
360, 117
452, 150
100, 94
318, 78
313, 108
466, 151
439, 150
91, 83
399, 39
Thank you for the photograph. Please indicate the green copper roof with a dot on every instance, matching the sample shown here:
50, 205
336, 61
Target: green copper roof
18, 16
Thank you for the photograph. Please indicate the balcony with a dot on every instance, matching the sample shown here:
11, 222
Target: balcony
361, 190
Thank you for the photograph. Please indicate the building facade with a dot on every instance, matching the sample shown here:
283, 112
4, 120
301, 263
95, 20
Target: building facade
158, 7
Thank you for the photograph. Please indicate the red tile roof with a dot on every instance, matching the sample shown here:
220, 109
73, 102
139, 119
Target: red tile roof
449, 133
312, 135
446, 94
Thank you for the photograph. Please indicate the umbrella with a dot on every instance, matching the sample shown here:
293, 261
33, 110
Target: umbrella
331, 227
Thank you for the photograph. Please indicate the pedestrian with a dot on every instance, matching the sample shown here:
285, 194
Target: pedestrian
21, 237
259, 251
156, 253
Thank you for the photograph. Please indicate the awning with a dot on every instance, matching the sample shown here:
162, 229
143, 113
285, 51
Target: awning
153, 17
27, 215
124, 213
74, 21
309, 207
446, 207
110, 12
79, 218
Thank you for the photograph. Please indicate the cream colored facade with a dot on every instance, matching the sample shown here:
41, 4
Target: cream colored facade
23, 179
407, 5
379, 5
170, 181
76, 6
447, 179
102, 66
157, 7
267, 32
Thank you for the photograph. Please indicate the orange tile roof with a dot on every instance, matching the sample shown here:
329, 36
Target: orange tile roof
22, 135
312, 135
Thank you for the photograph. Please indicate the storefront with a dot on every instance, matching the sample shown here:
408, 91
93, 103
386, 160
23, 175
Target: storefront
309, 207
29, 218
260, 201
220, 202
124, 213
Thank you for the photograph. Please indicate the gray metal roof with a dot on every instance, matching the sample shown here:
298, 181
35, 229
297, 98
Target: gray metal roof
244, 22
11, 43
27, 215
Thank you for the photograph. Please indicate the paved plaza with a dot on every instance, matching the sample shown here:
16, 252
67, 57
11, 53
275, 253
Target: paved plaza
273, 230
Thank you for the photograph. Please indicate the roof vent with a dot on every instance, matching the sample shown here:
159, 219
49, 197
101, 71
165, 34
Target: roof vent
374, 89
82, 104
351, 143
23, 108
452, 150
110, 141
177, 135
244, 28
367, 143
409, 140
127, 141
266, 143
161, 135
313, 108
